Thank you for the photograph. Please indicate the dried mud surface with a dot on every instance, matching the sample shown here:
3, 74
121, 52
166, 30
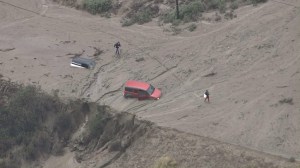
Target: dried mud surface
254, 58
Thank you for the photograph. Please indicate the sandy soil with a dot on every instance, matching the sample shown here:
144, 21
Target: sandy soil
255, 59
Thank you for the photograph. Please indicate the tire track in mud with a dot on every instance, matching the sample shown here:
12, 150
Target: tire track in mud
164, 72
88, 86
91, 83
95, 77
110, 92
137, 107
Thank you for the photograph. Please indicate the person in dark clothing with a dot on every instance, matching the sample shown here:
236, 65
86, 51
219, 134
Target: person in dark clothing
206, 96
117, 46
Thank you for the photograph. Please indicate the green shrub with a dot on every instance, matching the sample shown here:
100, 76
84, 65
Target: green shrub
127, 22
216, 4
169, 16
141, 16
175, 30
192, 27
64, 125
97, 123
212, 4
27, 109
191, 11
24, 122
97, 6
234, 5
9, 164
254, 2
187, 13
222, 6
40, 143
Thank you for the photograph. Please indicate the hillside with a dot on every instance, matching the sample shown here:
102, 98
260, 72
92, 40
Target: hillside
250, 64
40, 130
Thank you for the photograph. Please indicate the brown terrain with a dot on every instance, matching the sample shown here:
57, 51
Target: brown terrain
250, 65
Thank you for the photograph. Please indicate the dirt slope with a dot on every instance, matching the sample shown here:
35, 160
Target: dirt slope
255, 58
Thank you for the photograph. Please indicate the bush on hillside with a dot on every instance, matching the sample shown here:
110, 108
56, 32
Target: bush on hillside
254, 2
97, 6
192, 27
140, 16
40, 143
97, 123
234, 5
33, 121
187, 13
64, 125
9, 164
26, 110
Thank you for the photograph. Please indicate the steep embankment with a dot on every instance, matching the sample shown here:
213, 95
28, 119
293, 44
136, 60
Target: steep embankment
124, 141
38, 130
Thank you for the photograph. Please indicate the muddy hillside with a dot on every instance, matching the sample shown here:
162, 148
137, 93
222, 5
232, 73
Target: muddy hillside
40, 130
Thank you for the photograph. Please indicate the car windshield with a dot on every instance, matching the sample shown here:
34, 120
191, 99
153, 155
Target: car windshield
150, 90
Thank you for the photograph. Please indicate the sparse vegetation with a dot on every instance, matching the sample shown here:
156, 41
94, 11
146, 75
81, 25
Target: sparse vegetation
140, 14
192, 27
97, 6
143, 11
26, 122
255, 2
187, 13
287, 101
97, 122
292, 159
234, 5
140, 17
230, 15
175, 30
9, 164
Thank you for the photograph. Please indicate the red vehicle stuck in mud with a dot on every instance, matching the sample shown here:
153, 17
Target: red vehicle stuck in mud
141, 90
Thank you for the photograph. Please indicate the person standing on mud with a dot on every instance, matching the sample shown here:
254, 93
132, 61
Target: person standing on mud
117, 46
206, 96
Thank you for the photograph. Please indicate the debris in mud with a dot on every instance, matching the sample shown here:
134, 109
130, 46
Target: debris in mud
287, 101
68, 42
76, 54
7, 49
210, 74
98, 52
140, 59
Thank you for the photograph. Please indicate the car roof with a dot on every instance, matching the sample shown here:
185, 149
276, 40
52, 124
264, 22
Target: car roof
137, 84
84, 60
